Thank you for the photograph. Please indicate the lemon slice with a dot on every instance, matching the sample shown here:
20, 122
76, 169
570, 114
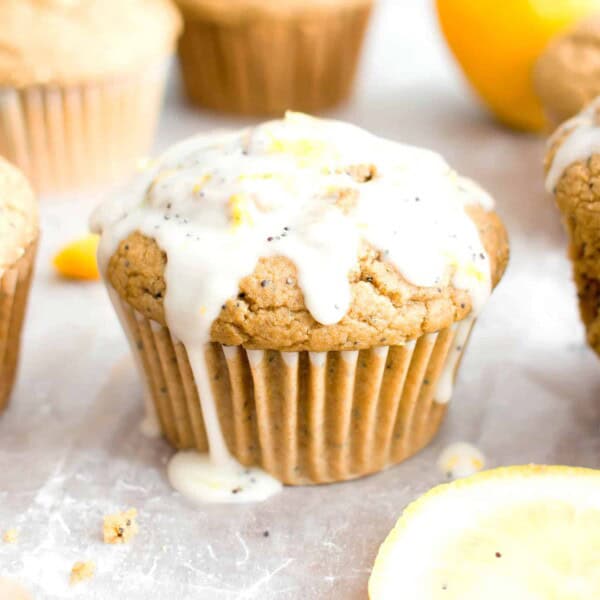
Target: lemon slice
516, 533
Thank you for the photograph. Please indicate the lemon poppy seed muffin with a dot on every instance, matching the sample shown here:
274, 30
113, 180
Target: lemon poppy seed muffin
299, 295
567, 75
573, 176
18, 242
266, 56
81, 84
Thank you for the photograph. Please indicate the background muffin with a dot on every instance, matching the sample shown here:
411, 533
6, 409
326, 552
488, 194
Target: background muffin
238, 278
81, 85
18, 241
567, 75
573, 175
265, 57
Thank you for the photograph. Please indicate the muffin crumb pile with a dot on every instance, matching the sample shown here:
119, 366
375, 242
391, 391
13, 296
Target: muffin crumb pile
10, 536
121, 527
81, 571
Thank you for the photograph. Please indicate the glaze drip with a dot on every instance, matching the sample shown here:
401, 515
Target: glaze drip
580, 139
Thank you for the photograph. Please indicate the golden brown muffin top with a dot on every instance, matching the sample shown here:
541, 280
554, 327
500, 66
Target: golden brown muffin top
79, 41
302, 234
269, 311
567, 75
243, 10
18, 215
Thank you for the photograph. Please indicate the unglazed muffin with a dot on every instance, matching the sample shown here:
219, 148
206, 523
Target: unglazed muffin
81, 84
567, 75
573, 175
268, 56
18, 242
303, 287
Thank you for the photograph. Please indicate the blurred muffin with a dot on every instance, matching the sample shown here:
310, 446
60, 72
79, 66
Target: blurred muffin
81, 84
567, 75
573, 175
299, 294
266, 56
18, 242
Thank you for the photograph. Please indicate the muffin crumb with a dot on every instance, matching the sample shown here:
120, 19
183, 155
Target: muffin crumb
81, 571
121, 527
362, 173
11, 536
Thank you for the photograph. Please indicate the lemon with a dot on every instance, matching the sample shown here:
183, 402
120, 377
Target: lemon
516, 533
497, 43
78, 260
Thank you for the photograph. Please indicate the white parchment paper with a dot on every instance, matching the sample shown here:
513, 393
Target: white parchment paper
70, 447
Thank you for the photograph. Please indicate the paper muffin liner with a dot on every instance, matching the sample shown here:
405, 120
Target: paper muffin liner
74, 136
14, 290
305, 417
270, 65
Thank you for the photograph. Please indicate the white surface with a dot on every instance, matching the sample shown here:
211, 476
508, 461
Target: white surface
70, 450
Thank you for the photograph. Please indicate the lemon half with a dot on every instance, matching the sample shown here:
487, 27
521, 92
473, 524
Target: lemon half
497, 42
515, 533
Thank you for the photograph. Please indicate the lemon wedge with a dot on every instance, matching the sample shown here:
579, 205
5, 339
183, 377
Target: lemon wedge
515, 533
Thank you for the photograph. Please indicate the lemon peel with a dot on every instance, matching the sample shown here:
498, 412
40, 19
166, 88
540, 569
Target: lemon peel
77, 260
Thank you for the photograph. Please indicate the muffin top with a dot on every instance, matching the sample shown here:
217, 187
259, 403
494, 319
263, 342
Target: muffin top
18, 215
567, 75
78, 41
241, 10
301, 234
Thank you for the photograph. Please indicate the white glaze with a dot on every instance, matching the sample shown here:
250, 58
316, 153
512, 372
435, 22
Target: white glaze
216, 204
201, 478
460, 459
445, 386
582, 141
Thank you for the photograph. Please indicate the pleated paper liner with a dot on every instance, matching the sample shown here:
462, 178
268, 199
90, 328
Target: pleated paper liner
270, 65
305, 417
70, 137
14, 289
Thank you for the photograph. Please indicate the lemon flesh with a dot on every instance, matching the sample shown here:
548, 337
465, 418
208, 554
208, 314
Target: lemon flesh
518, 533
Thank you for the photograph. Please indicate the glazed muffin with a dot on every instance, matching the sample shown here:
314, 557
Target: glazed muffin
573, 176
299, 294
266, 56
567, 75
18, 242
81, 84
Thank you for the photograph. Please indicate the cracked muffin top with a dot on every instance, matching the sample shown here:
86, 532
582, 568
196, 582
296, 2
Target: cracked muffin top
77, 41
18, 215
567, 75
301, 234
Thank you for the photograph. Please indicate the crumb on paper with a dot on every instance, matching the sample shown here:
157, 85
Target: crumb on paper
81, 571
121, 527
10, 536
461, 460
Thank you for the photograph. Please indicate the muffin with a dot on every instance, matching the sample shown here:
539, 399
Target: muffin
573, 176
81, 84
265, 56
299, 294
567, 75
18, 242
